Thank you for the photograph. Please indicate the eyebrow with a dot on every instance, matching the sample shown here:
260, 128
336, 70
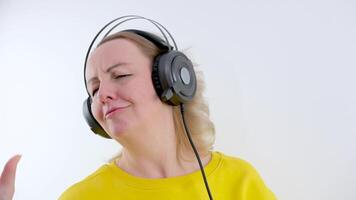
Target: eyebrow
107, 71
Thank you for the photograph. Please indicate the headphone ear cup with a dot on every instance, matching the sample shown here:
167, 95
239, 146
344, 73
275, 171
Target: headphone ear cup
174, 78
91, 121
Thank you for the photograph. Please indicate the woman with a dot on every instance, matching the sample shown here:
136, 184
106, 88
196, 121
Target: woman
156, 161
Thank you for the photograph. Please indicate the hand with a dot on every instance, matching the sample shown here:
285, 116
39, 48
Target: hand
7, 179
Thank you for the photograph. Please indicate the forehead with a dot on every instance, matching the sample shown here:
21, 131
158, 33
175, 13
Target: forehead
113, 52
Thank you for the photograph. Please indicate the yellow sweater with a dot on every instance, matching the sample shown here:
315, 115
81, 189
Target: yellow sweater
229, 178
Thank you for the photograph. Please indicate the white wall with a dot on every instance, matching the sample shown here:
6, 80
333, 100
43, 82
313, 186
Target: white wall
280, 82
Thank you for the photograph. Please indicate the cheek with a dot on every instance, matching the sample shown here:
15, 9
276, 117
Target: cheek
147, 91
147, 101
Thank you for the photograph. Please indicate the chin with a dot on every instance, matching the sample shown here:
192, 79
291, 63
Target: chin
116, 130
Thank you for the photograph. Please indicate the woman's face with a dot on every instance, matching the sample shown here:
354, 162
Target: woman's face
119, 82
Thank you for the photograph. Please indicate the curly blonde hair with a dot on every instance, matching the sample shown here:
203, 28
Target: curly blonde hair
200, 126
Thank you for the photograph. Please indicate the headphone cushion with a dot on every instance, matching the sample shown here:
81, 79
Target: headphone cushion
155, 76
91, 121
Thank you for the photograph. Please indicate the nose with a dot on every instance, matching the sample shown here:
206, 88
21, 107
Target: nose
105, 92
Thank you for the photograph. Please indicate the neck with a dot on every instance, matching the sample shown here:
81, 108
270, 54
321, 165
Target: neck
163, 165
153, 154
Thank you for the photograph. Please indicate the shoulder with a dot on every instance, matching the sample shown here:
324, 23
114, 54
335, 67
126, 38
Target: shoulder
236, 164
85, 188
244, 177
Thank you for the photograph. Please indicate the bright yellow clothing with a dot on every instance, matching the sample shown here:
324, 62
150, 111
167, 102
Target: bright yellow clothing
229, 178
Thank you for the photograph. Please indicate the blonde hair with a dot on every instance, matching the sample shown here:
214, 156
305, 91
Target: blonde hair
200, 126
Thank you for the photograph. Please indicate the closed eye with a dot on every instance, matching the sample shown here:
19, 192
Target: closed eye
122, 76
115, 77
94, 92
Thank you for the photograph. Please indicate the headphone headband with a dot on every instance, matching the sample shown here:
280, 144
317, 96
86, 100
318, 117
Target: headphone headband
161, 44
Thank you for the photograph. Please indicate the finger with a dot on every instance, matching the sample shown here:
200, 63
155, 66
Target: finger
7, 179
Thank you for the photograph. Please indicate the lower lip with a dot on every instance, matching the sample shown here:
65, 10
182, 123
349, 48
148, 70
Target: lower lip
112, 113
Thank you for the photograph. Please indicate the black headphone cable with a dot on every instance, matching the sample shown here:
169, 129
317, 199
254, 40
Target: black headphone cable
195, 151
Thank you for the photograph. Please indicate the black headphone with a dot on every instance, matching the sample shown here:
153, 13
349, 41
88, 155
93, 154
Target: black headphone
173, 75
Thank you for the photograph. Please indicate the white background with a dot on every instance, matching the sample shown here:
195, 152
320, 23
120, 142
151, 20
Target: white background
280, 83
